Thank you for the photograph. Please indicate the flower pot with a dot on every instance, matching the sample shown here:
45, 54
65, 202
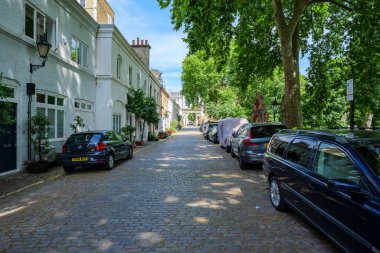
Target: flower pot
139, 143
37, 167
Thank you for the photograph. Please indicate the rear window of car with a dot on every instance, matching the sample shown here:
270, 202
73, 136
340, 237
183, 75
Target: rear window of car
370, 152
278, 145
265, 131
84, 138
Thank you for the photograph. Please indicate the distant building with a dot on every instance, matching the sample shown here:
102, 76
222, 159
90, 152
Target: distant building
99, 10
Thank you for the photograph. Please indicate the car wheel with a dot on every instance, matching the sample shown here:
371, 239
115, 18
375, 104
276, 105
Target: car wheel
275, 194
68, 169
110, 162
243, 165
130, 153
232, 153
228, 149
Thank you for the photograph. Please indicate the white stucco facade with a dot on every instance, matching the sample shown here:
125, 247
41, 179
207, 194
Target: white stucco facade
63, 84
113, 81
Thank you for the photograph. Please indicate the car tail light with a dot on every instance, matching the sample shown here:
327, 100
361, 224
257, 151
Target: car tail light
101, 146
247, 142
64, 148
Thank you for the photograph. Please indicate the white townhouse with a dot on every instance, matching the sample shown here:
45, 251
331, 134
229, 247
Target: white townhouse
121, 66
64, 87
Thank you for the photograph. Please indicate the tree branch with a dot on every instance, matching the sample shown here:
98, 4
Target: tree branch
335, 3
299, 8
279, 13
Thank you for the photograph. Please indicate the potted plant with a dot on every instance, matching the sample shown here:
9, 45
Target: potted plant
43, 153
78, 122
128, 131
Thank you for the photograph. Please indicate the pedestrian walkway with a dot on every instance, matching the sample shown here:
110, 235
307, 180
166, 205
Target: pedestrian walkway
20, 181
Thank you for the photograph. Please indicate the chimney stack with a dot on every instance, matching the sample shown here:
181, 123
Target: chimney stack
142, 49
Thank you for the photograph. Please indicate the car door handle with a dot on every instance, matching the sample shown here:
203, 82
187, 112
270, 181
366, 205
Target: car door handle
309, 184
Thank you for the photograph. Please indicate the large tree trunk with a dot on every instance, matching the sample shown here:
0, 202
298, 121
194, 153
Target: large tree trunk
289, 33
292, 105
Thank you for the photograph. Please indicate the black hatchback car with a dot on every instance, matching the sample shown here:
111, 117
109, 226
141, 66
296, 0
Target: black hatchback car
333, 180
95, 148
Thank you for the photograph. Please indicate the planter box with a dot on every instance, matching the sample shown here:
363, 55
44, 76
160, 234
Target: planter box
38, 167
139, 143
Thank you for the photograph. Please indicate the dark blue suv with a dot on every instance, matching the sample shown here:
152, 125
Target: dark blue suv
332, 179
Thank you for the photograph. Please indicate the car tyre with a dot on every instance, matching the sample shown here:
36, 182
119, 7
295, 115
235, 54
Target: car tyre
110, 162
232, 153
243, 165
68, 169
276, 195
130, 153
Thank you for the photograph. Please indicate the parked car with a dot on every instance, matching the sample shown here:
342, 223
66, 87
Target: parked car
332, 179
208, 128
213, 135
225, 129
95, 148
250, 142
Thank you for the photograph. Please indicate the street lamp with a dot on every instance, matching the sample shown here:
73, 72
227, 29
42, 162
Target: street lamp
43, 47
275, 105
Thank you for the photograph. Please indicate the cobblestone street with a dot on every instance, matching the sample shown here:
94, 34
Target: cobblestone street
184, 194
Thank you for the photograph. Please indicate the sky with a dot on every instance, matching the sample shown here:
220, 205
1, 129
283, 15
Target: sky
145, 19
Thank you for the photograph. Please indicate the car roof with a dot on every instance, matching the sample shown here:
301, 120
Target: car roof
94, 132
265, 124
341, 136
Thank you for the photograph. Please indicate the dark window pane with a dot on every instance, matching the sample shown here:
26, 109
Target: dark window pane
83, 106
278, 145
51, 117
265, 131
40, 98
370, 152
40, 26
29, 21
59, 101
76, 104
60, 118
41, 111
84, 138
300, 152
51, 100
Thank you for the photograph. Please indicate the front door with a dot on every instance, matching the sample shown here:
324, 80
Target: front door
8, 158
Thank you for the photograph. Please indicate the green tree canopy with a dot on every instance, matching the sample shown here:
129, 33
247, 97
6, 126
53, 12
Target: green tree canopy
270, 33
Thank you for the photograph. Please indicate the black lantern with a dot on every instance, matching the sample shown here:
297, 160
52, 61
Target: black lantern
43, 47
275, 105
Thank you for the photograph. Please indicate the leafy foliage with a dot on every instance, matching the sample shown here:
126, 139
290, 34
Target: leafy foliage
39, 131
267, 34
78, 122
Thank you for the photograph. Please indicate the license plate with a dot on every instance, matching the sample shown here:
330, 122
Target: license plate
79, 159
266, 144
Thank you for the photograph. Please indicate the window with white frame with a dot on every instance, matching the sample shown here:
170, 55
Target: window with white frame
79, 52
119, 63
144, 87
83, 3
116, 126
38, 24
130, 75
52, 106
83, 105
138, 80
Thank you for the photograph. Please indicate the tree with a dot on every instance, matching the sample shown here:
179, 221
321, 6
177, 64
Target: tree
267, 33
136, 105
78, 122
145, 109
192, 117
39, 130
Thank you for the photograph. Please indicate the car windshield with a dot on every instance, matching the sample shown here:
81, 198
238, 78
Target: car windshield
370, 152
265, 131
84, 138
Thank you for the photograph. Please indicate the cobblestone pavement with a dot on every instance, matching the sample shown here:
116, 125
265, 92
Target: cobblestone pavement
181, 195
